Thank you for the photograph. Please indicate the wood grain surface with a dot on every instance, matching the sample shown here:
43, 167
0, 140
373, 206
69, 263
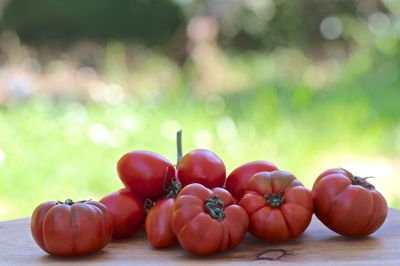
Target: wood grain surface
318, 245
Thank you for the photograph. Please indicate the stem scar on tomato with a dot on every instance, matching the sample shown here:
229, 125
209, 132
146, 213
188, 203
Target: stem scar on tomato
215, 208
275, 200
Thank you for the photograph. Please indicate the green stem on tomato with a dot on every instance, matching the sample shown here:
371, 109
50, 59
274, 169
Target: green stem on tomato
173, 189
70, 202
359, 181
179, 146
215, 208
275, 200
148, 203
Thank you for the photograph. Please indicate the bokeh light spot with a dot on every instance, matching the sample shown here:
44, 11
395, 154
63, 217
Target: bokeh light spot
114, 94
98, 133
379, 23
226, 128
331, 28
129, 123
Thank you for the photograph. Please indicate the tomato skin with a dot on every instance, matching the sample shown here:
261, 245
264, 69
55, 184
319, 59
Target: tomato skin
143, 173
236, 182
64, 230
158, 224
280, 223
127, 212
346, 208
203, 167
197, 231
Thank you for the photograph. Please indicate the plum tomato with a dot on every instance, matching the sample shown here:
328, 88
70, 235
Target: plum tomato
236, 182
145, 172
127, 212
158, 224
203, 167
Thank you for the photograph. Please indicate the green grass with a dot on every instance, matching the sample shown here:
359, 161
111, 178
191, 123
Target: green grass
49, 154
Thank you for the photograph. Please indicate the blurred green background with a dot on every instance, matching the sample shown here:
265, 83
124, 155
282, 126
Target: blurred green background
307, 85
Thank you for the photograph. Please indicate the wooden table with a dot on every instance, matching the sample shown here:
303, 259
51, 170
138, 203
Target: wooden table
318, 245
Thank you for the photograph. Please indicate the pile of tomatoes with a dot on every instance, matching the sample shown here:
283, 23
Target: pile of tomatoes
196, 205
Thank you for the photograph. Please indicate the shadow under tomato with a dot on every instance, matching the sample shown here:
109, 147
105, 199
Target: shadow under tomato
102, 255
365, 240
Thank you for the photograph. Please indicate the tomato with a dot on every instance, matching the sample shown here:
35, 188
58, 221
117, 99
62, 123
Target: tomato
279, 206
71, 228
206, 221
143, 173
158, 220
236, 182
203, 167
347, 204
127, 212
158, 224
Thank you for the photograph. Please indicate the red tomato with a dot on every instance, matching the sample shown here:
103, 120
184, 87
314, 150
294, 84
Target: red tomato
278, 205
127, 212
203, 167
158, 224
143, 173
158, 220
236, 182
348, 204
206, 221
71, 228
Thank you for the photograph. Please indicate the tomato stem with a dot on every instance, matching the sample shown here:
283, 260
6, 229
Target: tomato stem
70, 202
179, 146
148, 203
173, 189
275, 200
215, 208
359, 181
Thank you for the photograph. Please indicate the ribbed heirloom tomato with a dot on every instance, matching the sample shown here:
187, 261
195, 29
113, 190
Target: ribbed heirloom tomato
347, 204
127, 212
71, 228
236, 182
144, 172
206, 221
279, 206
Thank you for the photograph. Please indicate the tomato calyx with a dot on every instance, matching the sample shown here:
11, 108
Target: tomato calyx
70, 202
275, 200
215, 208
359, 181
173, 189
